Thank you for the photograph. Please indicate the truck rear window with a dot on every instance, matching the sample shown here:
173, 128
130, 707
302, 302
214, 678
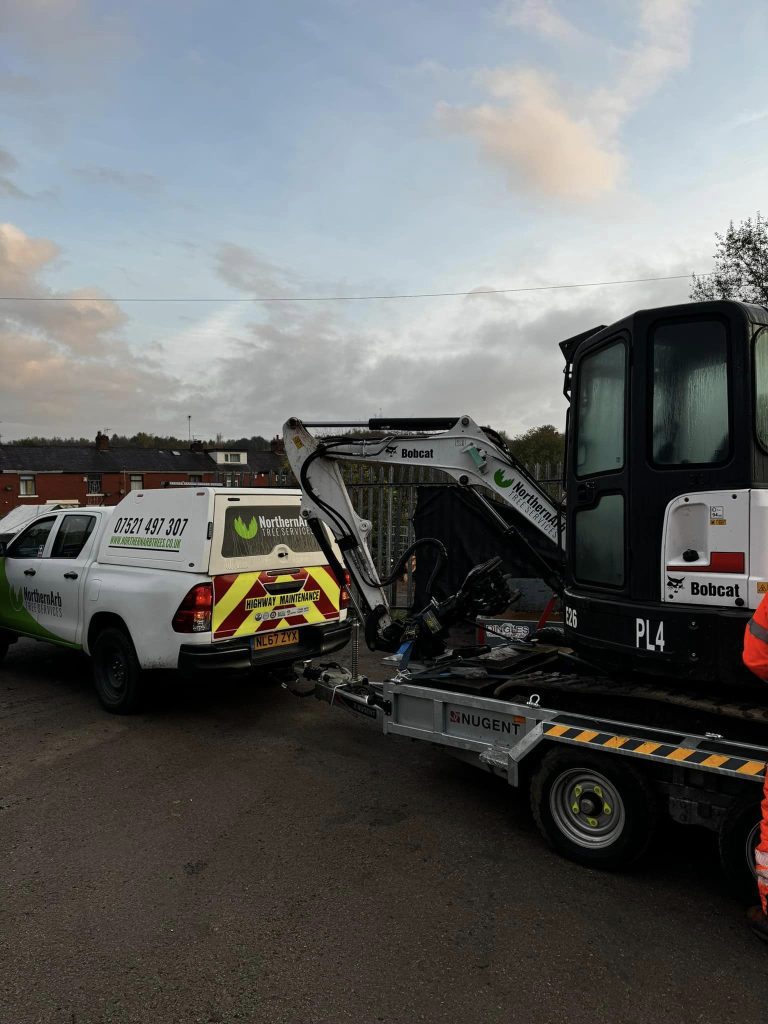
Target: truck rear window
258, 530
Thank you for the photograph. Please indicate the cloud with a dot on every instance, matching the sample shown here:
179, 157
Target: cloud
60, 47
540, 16
24, 86
131, 181
547, 138
538, 143
80, 320
8, 187
66, 367
7, 161
21, 258
663, 48
318, 364
495, 357
750, 117
63, 30
246, 271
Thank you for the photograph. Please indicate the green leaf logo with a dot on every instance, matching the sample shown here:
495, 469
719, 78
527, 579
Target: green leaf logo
246, 532
498, 476
16, 598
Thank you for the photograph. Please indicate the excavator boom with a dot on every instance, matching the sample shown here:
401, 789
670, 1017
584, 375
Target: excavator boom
475, 457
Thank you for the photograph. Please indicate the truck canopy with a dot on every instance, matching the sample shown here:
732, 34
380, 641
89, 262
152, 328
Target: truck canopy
214, 530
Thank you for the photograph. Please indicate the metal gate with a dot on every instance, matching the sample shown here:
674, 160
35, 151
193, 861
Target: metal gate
386, 495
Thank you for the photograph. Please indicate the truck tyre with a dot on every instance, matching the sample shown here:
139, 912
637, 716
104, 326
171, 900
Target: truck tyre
596, 811
116, 672
6, 639
739, 835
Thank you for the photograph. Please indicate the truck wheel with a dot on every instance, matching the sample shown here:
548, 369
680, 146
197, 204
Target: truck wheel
6, 639
116, 672
593, 810
739, 835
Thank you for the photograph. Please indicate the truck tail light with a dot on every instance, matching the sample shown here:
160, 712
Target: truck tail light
195, 612
344, 595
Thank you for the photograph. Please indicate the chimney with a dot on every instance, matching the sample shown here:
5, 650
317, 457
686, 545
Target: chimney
102, 442
196, 446
276, 445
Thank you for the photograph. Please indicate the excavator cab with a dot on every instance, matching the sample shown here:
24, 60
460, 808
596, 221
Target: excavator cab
667, 489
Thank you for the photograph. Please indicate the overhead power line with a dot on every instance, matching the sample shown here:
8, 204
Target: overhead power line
350, 298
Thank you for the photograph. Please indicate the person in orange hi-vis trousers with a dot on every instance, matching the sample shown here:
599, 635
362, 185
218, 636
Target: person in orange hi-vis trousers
755, 657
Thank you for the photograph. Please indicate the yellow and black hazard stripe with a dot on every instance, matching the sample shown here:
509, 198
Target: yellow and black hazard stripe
656, 750
244, 605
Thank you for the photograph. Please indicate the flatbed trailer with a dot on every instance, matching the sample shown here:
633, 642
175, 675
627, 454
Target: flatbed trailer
598, 786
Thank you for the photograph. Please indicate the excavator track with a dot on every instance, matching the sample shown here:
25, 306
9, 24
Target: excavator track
610, 689
548, 673
651, 704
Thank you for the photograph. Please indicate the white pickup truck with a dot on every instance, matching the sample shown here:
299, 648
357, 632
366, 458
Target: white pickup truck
182, 578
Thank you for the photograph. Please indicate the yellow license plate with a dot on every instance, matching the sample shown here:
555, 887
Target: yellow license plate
277, 638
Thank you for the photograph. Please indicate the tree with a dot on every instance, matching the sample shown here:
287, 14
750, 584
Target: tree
741, 264
540, 445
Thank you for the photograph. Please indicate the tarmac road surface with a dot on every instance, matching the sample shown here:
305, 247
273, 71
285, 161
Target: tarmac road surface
240, 855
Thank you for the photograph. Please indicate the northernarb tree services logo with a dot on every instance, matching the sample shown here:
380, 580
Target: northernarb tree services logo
246, 531
501, 480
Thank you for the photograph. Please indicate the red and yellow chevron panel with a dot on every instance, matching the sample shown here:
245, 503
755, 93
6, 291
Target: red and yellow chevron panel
257, 602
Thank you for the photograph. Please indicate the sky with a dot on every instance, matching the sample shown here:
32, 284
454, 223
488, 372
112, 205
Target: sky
220, 153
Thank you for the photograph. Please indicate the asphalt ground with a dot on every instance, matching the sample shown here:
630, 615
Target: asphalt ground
236, 854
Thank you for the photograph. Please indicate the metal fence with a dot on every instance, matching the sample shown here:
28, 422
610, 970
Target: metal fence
386, 495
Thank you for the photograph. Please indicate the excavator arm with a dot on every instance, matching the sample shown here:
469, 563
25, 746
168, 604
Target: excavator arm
475, 457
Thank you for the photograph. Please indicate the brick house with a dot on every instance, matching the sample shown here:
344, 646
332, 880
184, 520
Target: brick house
99, 474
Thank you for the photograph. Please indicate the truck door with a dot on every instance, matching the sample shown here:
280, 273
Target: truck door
61, 572
24, 608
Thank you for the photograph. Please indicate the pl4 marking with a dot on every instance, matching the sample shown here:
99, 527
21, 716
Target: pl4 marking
644, 630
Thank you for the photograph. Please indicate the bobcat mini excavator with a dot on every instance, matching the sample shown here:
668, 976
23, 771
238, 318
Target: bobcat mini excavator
660, 550
659, 553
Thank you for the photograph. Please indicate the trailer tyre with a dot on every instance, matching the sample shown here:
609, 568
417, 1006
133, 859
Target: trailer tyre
739, 835
595, 811
116, 672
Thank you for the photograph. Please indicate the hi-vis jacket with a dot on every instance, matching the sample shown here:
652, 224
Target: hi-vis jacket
755, 653
756, 659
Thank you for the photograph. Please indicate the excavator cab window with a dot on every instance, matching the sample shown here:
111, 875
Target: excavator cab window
600, 542
691, 416
600, 445
761, 386
600, 457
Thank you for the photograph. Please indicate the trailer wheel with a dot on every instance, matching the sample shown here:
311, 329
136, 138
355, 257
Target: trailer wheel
596, 811
116, 672
739, 835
